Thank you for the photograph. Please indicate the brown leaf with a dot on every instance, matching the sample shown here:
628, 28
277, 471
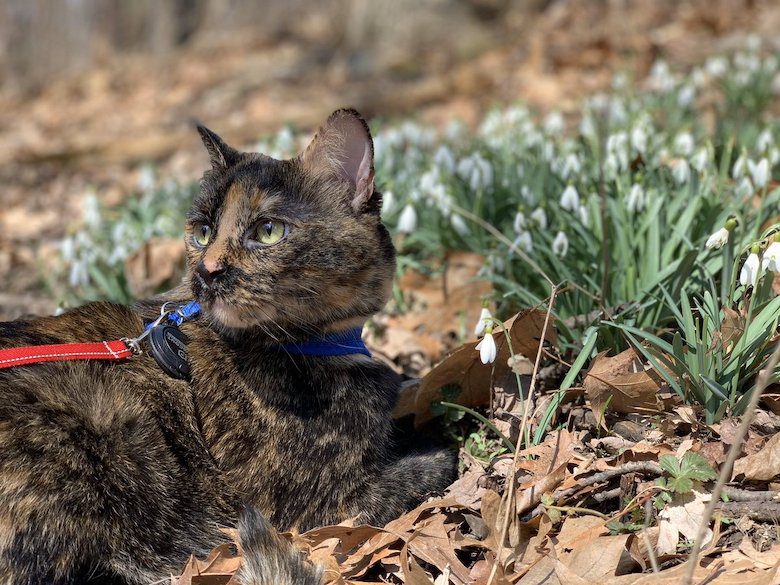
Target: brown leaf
612, 384
464, 368
761, 466
157, 262
681, 516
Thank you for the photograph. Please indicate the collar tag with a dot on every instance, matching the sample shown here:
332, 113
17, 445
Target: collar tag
168, 346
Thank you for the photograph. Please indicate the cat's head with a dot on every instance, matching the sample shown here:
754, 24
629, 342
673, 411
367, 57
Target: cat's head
291, 246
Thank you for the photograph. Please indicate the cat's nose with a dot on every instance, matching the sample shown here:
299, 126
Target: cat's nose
210, 271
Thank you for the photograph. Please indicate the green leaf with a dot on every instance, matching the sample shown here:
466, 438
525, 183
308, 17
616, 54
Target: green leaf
694, 466
680, 485
670, 464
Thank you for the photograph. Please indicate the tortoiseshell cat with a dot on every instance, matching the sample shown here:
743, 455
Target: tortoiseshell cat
116, 472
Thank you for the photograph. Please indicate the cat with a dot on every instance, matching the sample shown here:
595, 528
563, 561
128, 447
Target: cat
115, 472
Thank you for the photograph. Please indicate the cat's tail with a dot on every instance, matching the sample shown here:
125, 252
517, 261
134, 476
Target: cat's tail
269, 559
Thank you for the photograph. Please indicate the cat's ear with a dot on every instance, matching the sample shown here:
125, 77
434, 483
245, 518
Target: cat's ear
222, 156
343, 147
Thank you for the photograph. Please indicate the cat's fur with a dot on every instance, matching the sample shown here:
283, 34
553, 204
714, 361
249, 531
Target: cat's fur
115, 472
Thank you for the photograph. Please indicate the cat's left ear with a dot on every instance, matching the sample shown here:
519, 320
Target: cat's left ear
343, 147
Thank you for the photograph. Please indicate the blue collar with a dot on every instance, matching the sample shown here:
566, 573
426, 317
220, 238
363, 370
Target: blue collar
330, 344
347, 342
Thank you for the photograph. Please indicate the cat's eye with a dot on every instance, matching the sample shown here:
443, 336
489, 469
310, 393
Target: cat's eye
201, 234
270, 232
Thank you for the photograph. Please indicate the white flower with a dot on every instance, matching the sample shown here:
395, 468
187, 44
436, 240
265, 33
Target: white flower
524, 242
584, 216
571, 166
764, 140
459, 225
444, 159
636, 198
92, 211
716, 66
738, 170
570, 199
681, 171
639, 139
485, 318
519, 223
146, 180
661, 77
700, 159
407, 221
487, 349
560, 245
717, 239
388, 202
686, 96
554, 123
540, 217
683, 143
759, 171
771, 258
751, 271
745, 188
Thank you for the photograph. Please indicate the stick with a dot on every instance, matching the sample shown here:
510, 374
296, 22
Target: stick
725, 471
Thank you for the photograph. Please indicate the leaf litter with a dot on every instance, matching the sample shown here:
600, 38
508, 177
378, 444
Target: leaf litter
590, 505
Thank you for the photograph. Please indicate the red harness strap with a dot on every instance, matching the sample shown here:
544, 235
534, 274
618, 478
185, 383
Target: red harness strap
35, 354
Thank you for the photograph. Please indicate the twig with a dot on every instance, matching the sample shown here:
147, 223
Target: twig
739, 495
578, 510
631, 467
601, 497
509, 493
725, 471
761, 511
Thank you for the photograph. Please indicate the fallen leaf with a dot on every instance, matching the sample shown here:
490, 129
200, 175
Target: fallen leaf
682, 516
464, 368
612, 384
761, 466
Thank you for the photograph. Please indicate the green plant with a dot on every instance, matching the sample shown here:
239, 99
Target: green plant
683, 472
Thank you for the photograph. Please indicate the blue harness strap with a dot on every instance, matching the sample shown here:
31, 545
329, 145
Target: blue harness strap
330, 344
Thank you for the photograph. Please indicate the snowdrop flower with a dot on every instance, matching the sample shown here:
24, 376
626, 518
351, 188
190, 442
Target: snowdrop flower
745, 188
485, 318
759, 171
661, 77
570, 199
560, 245
720, 237
540, 217
681, 171
525, 193
700, 159
740, 165
91, 210
487, 347
639, 139
584, 215
519, 223
686, 96
146, 180
571, 166
716, 66
636, 198
459, 225
717, 239
771, 258
683, 143
407, 221
68, 249
554, 123
388, 202
524, 242
444, 159
751, 270
764, 140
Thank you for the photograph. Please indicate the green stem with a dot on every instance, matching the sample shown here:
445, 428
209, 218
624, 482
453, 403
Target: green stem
507, 443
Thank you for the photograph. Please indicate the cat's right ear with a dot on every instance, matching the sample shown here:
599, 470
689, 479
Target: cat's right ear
222, 156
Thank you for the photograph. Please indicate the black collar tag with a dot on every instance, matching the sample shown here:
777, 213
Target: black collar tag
168, 345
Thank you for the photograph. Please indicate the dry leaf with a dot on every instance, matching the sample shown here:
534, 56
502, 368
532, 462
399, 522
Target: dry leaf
681, 516
157, 262
761, 466
612, 384
464, 368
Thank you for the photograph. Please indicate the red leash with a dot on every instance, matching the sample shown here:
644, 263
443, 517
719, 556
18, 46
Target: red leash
102, 350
